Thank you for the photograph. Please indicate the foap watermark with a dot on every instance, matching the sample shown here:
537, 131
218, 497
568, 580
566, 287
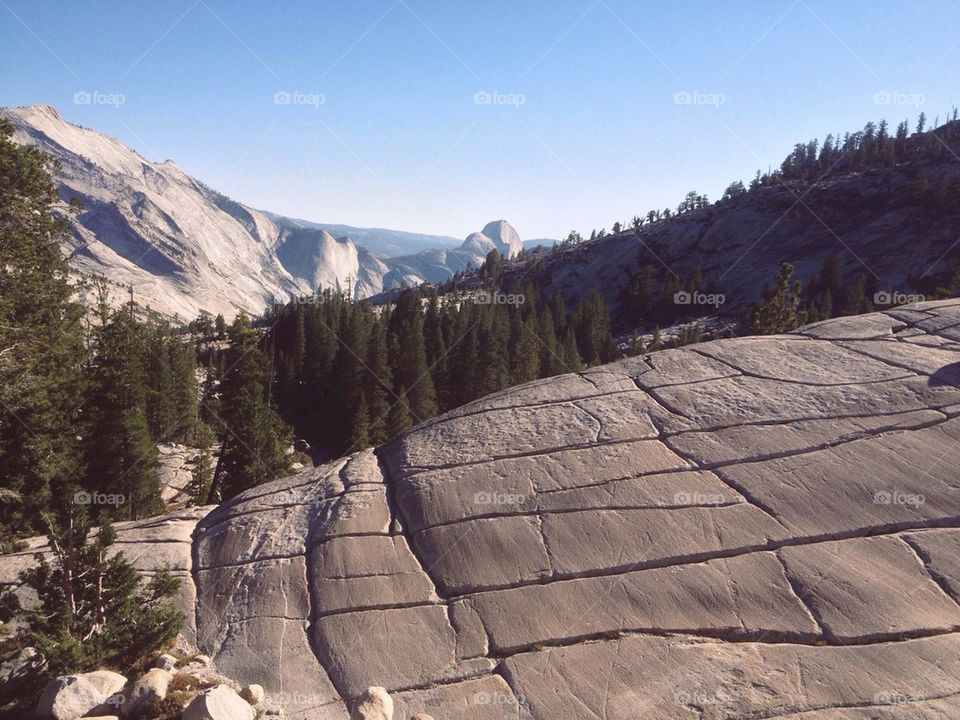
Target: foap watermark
295, 97
98, 498
892, 297
497, 698
898, 497
498, 498
698, 698
486, 97
497, 297
696, 297
290, 700
895, 697
307, 298
683, 97
888, 97
96, 97
698, 498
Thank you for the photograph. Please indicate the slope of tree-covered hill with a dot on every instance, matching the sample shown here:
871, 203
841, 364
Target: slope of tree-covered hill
883, 205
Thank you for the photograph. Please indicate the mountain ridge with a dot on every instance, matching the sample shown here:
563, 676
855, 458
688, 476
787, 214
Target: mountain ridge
187, 249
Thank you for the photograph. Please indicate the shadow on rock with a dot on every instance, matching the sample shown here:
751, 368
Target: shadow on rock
947, 375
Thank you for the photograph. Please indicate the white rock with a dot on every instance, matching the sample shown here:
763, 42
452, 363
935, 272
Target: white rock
253, 694
73, 696
220, 703
374, 704
152, 686
165, 662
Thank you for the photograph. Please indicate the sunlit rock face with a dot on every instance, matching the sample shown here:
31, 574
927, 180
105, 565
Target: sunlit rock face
745, 528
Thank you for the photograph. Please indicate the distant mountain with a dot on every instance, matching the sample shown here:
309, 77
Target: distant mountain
539, 242
379, 241
438, 265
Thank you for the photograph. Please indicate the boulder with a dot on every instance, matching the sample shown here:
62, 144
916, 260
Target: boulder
165, 662
219, 703
74, 696
374, 704
253, 694
152, 686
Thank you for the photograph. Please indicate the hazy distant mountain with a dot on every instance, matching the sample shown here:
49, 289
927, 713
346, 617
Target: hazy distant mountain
379, 241
539, 242
438, 265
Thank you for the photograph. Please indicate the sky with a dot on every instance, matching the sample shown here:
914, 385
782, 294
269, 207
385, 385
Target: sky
438, 117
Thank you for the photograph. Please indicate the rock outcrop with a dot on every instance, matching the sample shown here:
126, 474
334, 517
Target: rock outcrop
745, 528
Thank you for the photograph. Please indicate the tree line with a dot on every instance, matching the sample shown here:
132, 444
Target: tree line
350, 374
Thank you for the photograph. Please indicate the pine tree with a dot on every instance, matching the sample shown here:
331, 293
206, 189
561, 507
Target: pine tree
93, 609
780, 313
409, 364
525, 349
360, 425
856, 302
201, 478
185, 393
398, 419
436, 351
592, 326
160, 406
41, 342
378, 381
121, 456
255, 439
551, 363
570, 356
493, 363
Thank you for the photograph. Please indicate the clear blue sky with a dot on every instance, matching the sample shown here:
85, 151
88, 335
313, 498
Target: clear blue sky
399, 140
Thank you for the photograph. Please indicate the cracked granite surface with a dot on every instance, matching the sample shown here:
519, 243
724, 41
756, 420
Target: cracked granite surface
745, 528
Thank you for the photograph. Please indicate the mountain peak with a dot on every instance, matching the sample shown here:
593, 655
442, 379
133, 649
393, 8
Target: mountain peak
497, 234
37, 109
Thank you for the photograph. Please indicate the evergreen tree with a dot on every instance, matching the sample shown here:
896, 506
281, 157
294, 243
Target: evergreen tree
41, 343
551, 363
856, 302
201, 478
570, 357
121, 457
185, 392
378, 381
398, 418
780, 313
409, 366
525, 350
592, 326
493, 363
93, 610
360, 425
255, 439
